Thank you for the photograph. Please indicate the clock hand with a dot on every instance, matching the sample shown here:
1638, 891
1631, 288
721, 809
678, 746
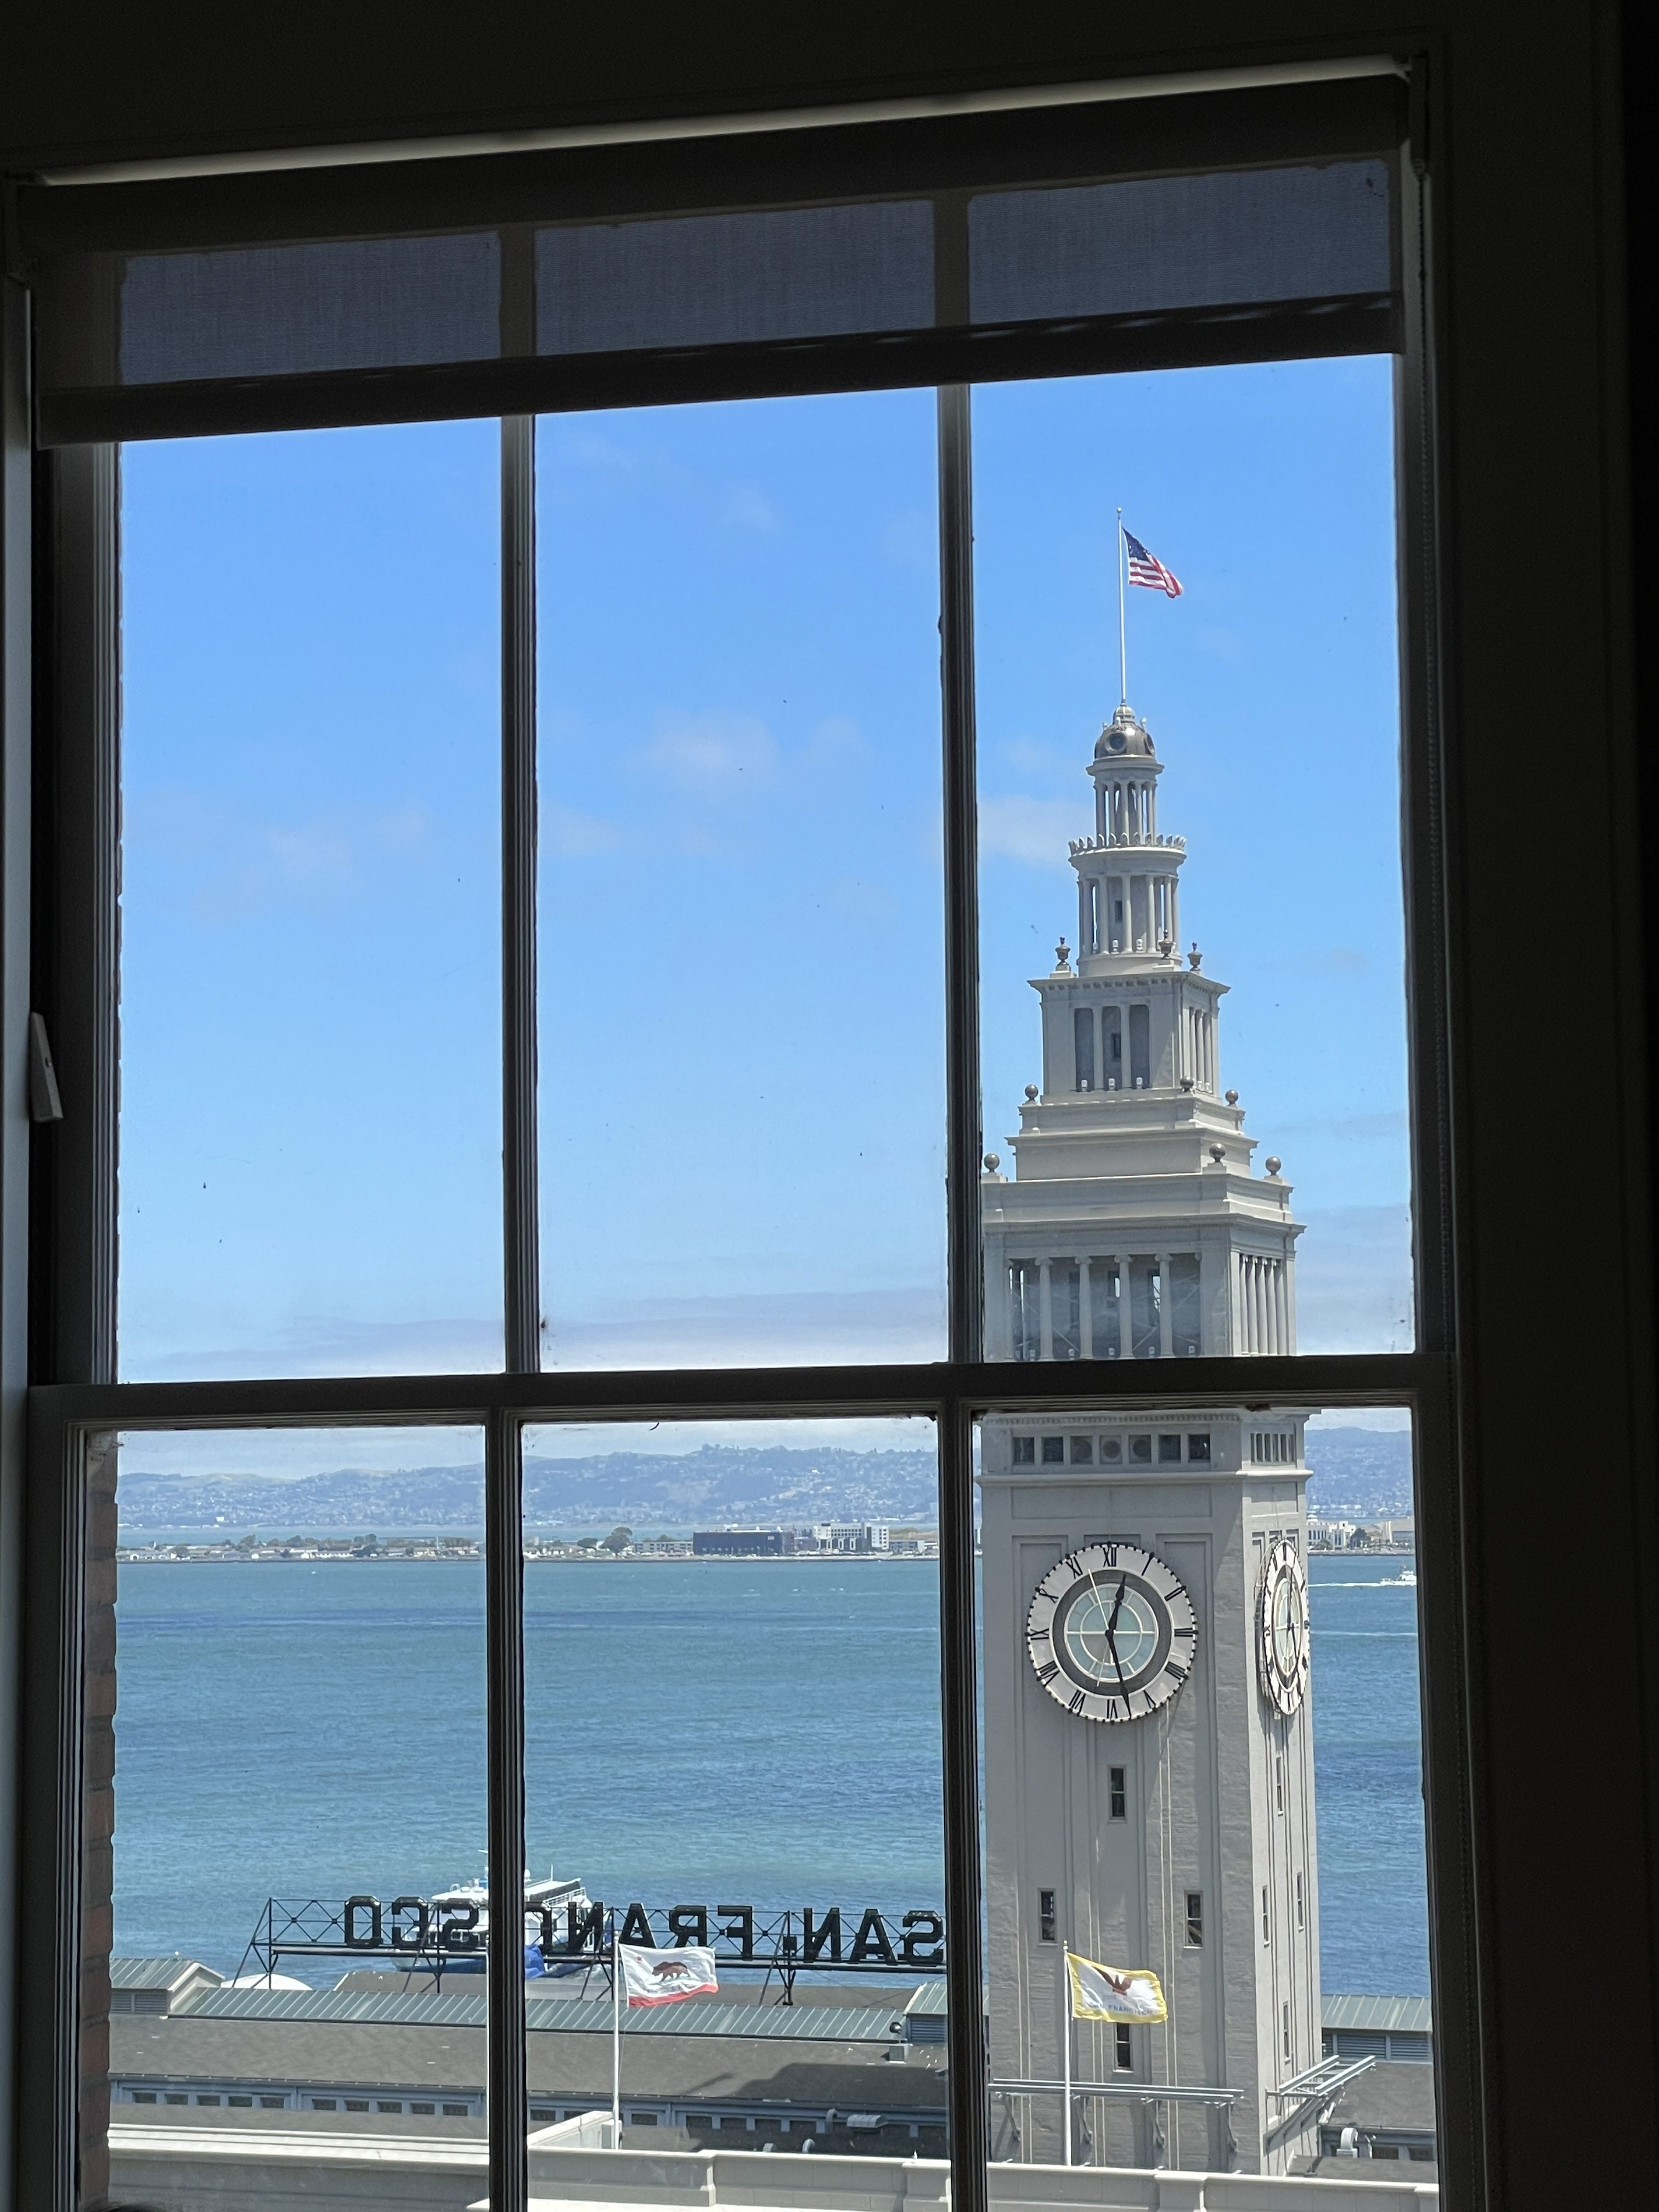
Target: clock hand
1111, 1639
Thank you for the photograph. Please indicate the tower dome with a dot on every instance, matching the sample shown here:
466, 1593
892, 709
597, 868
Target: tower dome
1125, 736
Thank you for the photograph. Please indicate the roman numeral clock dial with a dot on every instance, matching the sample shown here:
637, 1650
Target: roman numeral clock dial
1282, 1628
1111, 1633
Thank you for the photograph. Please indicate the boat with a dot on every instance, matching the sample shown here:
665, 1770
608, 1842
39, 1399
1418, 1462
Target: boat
548, 1905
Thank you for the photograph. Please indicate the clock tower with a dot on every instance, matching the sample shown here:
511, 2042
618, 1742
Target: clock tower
1152, 1801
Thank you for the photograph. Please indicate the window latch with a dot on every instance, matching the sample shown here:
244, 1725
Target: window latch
45, 1103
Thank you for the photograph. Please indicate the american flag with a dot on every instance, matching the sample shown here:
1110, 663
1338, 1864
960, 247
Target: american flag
1146, 568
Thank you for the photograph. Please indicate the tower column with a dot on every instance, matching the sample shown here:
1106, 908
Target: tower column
1126, 1339
1166, 1319
1045, 1313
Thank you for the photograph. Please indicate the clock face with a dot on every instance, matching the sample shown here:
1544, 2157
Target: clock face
1111, 1633
1282, 1628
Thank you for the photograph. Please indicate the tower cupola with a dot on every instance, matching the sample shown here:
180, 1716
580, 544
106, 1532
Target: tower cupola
1128, 873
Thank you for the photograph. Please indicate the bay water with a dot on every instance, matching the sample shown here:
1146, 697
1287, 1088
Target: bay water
697, 1731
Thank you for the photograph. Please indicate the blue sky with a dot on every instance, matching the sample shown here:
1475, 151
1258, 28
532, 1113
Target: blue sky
741, 1046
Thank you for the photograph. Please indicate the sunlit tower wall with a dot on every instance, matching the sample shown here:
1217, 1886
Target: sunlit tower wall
1183, 1841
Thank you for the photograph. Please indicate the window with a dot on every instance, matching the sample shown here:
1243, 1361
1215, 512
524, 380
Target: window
1046, 1915
654, 1216
1286, 2021
1266, 1931
1083, 1027
1299, 1919
1194, 1919
1124, 2057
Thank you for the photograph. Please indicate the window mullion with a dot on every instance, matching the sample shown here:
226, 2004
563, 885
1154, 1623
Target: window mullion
956, 526
521, 1257
509, 2182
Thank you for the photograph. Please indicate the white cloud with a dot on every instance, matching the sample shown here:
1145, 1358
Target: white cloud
1353, 1280
749, 507
715, 753
574, 836
1035, 830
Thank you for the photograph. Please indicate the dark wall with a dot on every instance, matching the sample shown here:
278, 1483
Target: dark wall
1552, 1179
98, 79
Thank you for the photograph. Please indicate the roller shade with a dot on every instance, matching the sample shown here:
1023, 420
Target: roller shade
975, 271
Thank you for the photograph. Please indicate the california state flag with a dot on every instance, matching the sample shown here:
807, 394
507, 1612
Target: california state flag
1121, 1993
657, 1978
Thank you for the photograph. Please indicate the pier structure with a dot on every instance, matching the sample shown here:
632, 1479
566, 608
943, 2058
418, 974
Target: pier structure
1152, 1802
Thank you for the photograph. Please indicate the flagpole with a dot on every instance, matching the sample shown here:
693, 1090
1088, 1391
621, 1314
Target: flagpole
1122, 628
616, 2037
1066, 2038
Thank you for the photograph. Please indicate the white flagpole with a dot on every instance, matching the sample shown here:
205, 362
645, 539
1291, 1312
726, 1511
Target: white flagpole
1122, 628
1065, 2039
616, 2038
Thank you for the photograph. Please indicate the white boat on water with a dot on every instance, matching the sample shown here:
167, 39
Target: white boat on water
547, 1906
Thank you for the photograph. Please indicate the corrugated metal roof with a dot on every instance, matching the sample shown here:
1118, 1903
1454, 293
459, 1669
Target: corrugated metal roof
797, 2023
929, 2001
1380, 2015
154, 1973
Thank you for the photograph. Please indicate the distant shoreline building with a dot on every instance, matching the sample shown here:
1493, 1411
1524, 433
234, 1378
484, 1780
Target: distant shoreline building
1151, 1800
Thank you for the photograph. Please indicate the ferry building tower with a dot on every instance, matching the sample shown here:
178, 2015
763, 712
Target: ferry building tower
1151, 1800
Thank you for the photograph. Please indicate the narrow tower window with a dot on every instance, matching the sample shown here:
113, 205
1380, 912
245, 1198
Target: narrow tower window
1118, 1779
1266, 1930
1025, 1308
1184, 1326
1105, 1308
1141, 1049
1124, 2055
1194, 1920
1284, 2016
1064, 1311
1146, 1306
1083, 1046
1300, 1921
1045, 1915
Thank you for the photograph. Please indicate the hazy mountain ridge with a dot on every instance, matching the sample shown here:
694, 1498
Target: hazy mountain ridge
1359, 1474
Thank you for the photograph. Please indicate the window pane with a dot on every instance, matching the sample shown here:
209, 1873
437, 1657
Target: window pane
741, 1059
733, 1771
286, 1743
1204, 1775
1202, 883
310, 917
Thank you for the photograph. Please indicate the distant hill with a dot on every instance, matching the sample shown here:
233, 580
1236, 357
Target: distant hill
713, 1486
1359, 1474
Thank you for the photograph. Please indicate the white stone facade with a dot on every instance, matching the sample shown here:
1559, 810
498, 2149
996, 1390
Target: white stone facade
1183, 1841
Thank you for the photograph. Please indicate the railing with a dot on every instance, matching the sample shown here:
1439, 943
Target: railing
262, 2172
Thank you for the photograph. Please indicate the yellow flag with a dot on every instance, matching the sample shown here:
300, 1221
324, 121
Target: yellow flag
1123, 1993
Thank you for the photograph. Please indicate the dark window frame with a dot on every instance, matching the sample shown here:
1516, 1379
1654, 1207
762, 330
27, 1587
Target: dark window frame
74, 1399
